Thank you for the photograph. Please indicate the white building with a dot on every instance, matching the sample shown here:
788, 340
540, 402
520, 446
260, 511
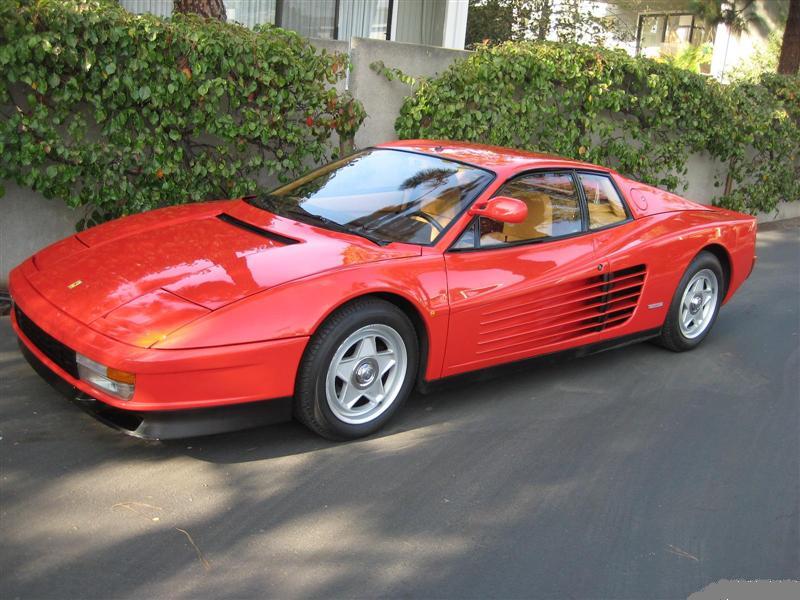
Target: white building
429, 22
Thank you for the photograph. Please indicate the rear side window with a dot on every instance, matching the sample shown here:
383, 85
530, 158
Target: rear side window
604, 204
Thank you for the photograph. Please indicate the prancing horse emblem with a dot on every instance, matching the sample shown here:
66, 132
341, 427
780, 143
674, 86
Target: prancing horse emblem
74, 284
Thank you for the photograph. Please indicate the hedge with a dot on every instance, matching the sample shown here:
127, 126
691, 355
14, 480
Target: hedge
123, 113
643, 117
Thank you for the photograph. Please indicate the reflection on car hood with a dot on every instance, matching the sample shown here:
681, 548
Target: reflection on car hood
192, 254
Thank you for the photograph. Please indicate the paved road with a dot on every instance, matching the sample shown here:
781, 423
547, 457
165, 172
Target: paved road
636, 473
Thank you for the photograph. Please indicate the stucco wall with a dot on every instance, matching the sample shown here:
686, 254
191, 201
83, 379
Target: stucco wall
28, 221
382, 98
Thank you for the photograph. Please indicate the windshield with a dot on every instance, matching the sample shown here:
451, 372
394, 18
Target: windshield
383, 195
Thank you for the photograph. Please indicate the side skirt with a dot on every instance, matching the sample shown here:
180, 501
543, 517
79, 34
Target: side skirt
427, 387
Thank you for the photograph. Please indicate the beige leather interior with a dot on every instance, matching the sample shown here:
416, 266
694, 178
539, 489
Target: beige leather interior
443, 209
538, 223
553, 208
603, 209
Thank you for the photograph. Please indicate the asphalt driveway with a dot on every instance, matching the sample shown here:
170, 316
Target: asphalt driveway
631, 474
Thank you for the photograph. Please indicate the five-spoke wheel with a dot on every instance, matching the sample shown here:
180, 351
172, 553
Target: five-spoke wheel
698, 303
357, 370
366, 373
695, 304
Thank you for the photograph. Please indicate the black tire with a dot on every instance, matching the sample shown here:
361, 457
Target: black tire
311, 405
672, 337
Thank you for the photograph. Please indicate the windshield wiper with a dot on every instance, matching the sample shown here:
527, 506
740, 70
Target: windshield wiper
331, 224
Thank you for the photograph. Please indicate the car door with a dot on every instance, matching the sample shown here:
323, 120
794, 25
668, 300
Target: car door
618, 242
521, 290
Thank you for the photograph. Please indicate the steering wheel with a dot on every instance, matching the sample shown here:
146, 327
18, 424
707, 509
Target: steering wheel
428, 219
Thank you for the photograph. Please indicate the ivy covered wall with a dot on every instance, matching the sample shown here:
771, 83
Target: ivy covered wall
644, 118
122, 113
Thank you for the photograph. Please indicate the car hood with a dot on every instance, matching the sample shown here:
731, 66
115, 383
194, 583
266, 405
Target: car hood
147, 275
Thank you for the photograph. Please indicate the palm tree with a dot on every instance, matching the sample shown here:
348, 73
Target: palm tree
734, 14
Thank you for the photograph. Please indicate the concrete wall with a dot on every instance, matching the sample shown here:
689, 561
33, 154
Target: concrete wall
701, 171
382, 99
28, 221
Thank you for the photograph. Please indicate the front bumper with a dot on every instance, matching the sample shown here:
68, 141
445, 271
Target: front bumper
167, 381
167, 425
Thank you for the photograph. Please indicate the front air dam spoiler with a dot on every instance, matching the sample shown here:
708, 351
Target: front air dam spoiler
168, 425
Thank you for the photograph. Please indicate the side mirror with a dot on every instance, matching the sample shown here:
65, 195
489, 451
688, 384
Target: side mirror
502, 209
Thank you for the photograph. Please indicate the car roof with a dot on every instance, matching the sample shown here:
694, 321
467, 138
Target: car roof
503, 161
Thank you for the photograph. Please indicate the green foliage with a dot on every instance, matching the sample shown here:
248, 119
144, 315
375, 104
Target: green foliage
764, 155
392, 74
689, 57
123, 113
496, 21
763, 60
643, 117
491, 20
739, 15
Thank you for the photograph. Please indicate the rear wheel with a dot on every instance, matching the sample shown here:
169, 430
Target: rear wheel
357, 370
695, 304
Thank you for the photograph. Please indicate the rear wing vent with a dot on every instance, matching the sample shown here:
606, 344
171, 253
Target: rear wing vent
270, 235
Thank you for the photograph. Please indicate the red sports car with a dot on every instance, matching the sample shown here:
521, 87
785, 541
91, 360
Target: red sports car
332, 297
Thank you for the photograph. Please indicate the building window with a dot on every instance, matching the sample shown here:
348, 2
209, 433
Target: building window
160, 8
251, 12
310, 18
326, 19
421, 22
651, 32
427, 22
679, 29
660, 33
364, 18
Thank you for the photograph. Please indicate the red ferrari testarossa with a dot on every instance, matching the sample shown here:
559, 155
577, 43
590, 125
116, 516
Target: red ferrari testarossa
332, 297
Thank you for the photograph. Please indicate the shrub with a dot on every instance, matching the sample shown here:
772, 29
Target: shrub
643, 117
763, 152
123, 113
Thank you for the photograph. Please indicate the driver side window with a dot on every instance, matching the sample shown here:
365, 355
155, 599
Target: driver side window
553, 211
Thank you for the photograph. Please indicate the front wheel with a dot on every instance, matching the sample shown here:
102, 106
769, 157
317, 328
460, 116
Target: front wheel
695, 305
358, 369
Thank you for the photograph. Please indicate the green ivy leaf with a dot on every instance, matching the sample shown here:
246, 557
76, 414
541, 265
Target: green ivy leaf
182, 109
644, 118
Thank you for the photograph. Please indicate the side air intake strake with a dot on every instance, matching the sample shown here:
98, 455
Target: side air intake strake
275, 237
561, 313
